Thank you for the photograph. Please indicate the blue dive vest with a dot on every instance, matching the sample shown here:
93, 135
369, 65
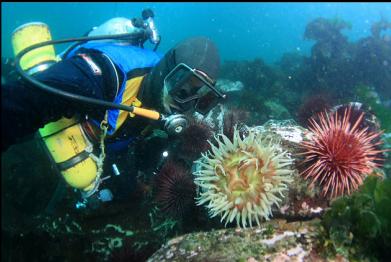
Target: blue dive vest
127, 58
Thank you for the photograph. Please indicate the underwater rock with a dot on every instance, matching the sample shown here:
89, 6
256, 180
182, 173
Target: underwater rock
115, 236
299, 202
98, 240
235, 117
276, 110
227, 85
215, 118
276, 241
223, 118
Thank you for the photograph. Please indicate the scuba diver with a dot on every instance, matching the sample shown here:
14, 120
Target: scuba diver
138, 90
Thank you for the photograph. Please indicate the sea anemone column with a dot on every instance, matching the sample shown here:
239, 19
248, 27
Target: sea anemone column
242, 179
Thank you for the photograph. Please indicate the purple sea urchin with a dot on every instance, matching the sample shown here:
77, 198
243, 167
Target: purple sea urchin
175, 189
194, 139
242, 179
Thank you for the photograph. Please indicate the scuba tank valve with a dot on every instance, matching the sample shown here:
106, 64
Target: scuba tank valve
148, 15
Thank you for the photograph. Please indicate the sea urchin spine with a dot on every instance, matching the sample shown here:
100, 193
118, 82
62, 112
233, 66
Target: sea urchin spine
340, 153
174, 188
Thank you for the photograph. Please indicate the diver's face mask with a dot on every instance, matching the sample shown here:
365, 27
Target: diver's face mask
192, 89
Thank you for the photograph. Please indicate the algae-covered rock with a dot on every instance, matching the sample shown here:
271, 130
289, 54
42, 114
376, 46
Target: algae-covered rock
275, 241
215, 118
227, 85
276, 110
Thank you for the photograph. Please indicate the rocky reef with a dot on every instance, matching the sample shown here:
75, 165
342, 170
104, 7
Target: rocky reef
275, 102
134, 230
274, 241
341, 235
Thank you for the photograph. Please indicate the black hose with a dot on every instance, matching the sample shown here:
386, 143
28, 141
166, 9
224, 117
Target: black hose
65, 94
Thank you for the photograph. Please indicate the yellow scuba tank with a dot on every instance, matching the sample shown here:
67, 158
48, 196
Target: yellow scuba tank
64, 139
72, 151
27, 35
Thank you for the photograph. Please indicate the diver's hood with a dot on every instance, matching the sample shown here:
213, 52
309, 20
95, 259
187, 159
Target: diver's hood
196, 52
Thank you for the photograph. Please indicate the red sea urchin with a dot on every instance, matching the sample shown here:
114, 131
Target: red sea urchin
339, 154
174, 188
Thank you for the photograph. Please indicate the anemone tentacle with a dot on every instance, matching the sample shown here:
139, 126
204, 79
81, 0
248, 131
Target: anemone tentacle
242, 179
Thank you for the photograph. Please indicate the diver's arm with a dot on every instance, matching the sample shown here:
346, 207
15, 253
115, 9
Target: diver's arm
26, 108
22, 112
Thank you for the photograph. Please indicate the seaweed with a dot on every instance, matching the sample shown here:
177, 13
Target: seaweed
359, 226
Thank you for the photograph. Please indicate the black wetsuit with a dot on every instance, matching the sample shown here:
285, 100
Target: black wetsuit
26, 108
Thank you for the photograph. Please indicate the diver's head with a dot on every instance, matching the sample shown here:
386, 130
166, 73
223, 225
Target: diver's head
184, 80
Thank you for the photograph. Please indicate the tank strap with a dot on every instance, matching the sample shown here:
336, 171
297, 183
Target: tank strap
73, 161
87, 152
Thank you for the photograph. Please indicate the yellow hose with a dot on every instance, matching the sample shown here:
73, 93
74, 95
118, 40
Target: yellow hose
146, 113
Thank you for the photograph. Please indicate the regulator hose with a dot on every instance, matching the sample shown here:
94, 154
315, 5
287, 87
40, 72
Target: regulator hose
69, 95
